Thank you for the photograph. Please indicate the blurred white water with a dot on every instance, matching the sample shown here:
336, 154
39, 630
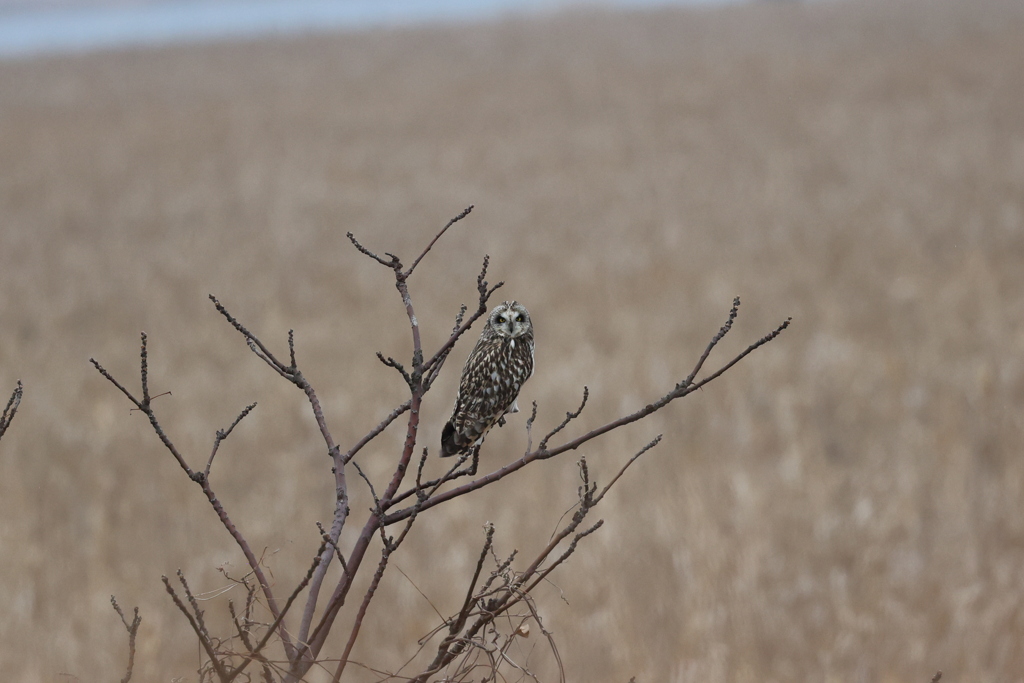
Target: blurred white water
27, 30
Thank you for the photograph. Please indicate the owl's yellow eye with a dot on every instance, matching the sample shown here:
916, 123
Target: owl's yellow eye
501, 319
519, 318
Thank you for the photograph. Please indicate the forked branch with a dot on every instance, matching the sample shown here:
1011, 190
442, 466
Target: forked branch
482, 608
145, 406
133, 632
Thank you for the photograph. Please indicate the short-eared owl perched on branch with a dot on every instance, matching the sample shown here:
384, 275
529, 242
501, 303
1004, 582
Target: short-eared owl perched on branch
495, 371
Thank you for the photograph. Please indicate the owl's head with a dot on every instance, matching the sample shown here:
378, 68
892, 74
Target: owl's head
510, 320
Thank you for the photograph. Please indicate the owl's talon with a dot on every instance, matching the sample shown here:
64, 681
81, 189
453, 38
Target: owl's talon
501, 421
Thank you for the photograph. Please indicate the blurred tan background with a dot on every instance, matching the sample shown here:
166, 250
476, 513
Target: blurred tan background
845, 505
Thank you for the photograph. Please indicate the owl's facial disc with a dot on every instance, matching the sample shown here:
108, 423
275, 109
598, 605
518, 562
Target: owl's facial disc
502, 321
510, 320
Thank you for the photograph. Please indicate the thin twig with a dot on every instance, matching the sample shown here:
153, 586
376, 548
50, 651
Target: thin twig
541, 575
529, 428
195, 607
133, 631
426, 490
223, 434
244, 633
547, 634
199, 631
465, 212
569, 417
654, 442
11, 408
484, 291
280, 617
369, 484
358, 622
460, 621
337, 551
733, 312
392, 363
117, 384
376, 431
252, 340
364, 250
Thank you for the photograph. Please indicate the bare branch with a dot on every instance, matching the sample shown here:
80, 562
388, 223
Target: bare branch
200, 478
117, 384
550, 638
423, 491
569, 417
735, 311
145, 370
337, 551
195, 606
144, 405
223, 434
291, 348
417, 388
445, 652
133, 631
465, 212
460, 621
747, 351
292, 374
502, 569
11, 408
376, 431
563, 557
393, 263
518, 586
485, 292
280, 617
490, 609
244, 633
529, 428
199, 630
473, 635
253, 341
392, 363
654, 442
369, 484
361, 614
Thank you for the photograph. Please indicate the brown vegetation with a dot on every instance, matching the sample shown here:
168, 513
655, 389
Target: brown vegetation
847, 507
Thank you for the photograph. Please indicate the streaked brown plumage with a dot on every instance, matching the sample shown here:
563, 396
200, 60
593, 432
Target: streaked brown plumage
495, 371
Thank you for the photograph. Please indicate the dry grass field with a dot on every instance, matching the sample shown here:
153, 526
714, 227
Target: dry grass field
845, 505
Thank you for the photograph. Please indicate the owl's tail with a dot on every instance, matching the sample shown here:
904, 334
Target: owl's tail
449, 441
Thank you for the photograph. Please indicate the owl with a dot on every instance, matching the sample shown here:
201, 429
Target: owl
495, 371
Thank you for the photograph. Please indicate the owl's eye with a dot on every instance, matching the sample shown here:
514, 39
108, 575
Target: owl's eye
519, 318
501, 319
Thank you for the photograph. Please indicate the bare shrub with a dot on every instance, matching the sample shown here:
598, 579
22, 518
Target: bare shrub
499, 607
